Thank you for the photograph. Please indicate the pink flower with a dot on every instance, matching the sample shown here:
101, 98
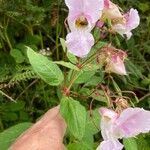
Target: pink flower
121, 23
110, 145
115, 63
114, 126
132, 20
83, 15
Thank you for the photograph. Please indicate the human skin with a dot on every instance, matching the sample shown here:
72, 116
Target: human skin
46, 134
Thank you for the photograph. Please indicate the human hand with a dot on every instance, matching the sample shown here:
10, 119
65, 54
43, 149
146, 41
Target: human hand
46, 134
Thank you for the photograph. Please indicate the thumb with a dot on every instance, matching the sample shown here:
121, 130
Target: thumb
46, 134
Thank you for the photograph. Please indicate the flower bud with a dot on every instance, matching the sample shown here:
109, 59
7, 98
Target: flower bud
116, 65
111, 11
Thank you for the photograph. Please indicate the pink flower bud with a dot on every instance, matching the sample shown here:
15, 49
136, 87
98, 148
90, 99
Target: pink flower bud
111, 11
116, 65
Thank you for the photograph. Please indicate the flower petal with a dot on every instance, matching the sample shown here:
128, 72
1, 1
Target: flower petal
110, 145
133, 121
79, 43
91, 9
107, 120
122, 30
117, 66
119, 28
106, 3
120, 69
133, 19
74, 4
128, 34
108, 113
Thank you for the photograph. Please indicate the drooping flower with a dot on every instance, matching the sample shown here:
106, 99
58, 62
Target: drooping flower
132, 21
113, 60
116, 63
83, 15
122, 23
129, 123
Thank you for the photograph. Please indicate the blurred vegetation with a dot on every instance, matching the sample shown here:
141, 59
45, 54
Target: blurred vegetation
40, 24
37, 24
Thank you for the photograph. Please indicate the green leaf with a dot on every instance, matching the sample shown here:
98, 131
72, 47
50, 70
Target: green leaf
18, 56
96, 33
117, 41
8, 136
130, 144
99, 96
46, 69
133, 69
143, 142
14, 106
9, 116
97, 47
93, 122
85, 91
75, 116
84, 76
67, 64
144, 6
63, 44
116, 87
145, 81
91, 67
96, 95
85, 144
95, 80
32, 39
70, 56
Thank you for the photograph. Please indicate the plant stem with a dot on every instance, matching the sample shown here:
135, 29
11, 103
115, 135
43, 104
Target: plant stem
90, 59
30, 30
6, 22
42, 45
57, 34
109, 103
7, 96
144, 97
7, 39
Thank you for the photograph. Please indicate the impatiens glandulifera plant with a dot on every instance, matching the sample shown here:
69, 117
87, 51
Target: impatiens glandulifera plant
89, 65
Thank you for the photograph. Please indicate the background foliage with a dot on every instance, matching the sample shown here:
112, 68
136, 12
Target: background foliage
39, 24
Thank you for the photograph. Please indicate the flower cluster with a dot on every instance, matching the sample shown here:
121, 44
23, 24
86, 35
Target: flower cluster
85, 14
122, 23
